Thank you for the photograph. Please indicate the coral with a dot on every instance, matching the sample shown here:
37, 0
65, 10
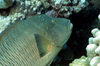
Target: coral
45, 3
93, 48
19, 11
6, 3
95, 61
5, 21
80, 62
26, 8
99, 16
66, 7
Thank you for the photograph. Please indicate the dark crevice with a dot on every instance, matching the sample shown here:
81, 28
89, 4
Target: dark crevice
83, 22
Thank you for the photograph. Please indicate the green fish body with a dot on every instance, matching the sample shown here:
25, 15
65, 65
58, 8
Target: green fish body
34, 42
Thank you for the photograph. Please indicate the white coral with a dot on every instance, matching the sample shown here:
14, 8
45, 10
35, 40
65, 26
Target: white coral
64, 5
30, 5
99, 16
93, 50
95, 61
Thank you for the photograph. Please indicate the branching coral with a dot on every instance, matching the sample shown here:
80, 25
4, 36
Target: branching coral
64, 8
19, 11
80, 62
99, 16
93, 49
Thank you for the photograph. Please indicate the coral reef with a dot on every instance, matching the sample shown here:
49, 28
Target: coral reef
64, 8
6, 3
25, 8
80, 62
16, 10
20, 10
93, 49
99, 16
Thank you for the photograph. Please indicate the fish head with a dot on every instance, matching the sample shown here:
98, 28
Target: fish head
55, 30
61, 31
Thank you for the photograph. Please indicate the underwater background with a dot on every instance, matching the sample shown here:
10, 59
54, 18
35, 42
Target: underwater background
83, 14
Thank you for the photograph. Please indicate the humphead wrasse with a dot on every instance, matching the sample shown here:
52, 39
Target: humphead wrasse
34, 42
